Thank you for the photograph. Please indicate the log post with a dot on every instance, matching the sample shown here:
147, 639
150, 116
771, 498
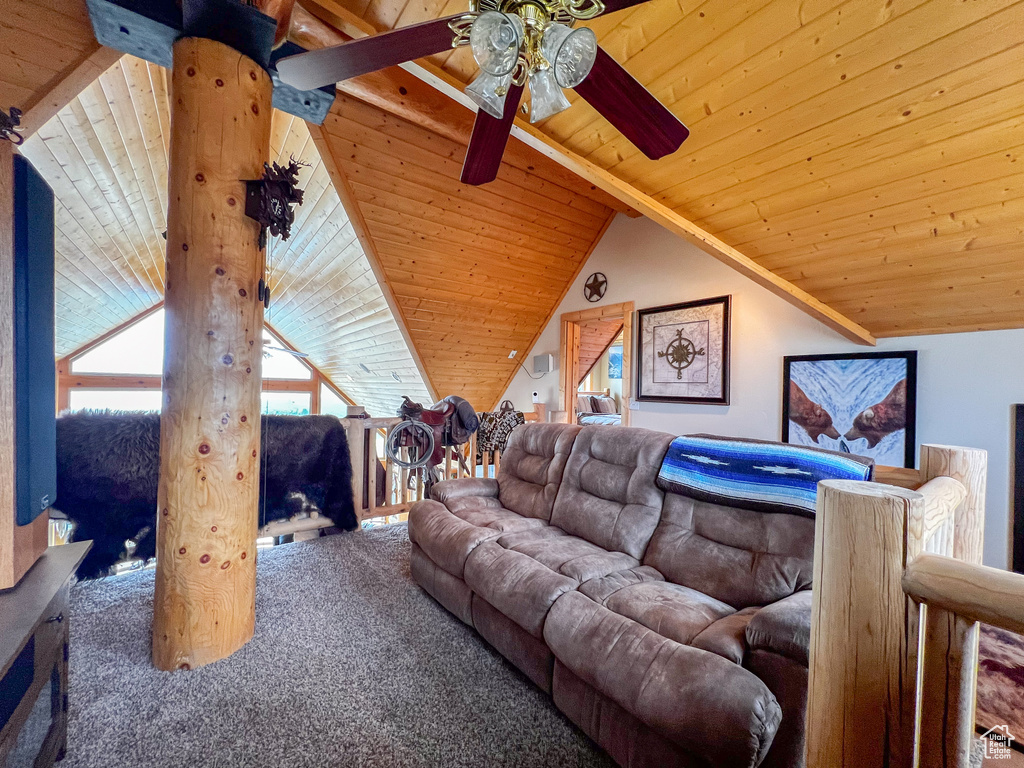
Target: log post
862, 685
204, 605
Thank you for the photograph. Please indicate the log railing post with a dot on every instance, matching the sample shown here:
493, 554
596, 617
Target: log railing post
204, 603
861, 690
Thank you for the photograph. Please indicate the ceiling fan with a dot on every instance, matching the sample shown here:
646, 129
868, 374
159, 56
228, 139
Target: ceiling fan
514, 42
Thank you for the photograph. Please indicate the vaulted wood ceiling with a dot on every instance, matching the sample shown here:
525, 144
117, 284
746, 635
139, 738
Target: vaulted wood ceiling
476, 271
863, 150
105, 156
595, 338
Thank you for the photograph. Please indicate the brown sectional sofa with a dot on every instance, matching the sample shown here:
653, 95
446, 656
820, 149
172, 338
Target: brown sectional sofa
673, 631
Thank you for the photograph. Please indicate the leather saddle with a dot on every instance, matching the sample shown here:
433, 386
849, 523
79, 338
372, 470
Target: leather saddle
436, 417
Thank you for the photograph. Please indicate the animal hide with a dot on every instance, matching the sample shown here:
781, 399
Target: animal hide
108, 469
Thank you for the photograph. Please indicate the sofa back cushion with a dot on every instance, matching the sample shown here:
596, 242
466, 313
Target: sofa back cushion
739, 556
608, 495
531, 467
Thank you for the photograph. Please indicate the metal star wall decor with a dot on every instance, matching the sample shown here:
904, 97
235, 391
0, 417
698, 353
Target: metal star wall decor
595, 287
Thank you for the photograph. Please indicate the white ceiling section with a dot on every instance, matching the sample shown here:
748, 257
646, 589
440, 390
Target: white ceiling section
105, 156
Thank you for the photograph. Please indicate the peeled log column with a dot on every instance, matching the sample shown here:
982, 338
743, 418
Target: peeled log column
207, 518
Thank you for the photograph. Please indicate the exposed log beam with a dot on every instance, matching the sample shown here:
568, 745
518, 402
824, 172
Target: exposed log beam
67, 86
424, 108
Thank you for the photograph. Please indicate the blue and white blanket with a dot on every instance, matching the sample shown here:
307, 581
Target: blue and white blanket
753, 474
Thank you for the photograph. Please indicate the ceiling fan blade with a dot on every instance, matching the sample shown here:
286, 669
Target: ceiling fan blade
630, 107
326, 66
611, 6
487, 144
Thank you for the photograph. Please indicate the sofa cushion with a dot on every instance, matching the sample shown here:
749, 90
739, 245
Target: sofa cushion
755, 474
607, 495
727, 637
713, 708
784, 627
568, 555
523, 573
449, 490
676, 612
531, 468
448, 537
738, 556
516, 584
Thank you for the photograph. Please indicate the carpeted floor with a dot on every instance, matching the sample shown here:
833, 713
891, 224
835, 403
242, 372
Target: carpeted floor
351, 665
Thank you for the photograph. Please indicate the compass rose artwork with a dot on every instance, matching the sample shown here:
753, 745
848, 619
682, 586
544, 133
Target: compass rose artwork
680, 353
683, 352
595, 287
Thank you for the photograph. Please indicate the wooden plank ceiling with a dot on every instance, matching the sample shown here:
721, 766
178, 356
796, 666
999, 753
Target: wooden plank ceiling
476, 271
863, 149
105, 156
326, 300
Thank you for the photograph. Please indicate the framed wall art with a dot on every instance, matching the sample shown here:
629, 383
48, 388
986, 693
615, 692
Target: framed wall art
615, 361
683, 352
860, 403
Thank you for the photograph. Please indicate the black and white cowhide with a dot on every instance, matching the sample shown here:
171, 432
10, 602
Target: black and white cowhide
108, 468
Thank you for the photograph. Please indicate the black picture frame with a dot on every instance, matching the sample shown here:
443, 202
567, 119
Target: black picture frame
910, 429
1018, 488
721, 341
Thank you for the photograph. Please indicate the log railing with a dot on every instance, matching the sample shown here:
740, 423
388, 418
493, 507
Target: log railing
864, 688
956, 596
402, 487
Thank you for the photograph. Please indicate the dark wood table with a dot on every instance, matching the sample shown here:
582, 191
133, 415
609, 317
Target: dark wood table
34, 660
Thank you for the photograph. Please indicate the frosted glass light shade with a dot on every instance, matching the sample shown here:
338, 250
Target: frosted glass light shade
546, 98
488, 92
570, 52
495, 39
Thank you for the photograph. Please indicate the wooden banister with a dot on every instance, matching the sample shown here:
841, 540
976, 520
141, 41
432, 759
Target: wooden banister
976, 592
863, 693
956, 596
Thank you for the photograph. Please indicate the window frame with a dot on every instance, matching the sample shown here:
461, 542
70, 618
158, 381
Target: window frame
68, 381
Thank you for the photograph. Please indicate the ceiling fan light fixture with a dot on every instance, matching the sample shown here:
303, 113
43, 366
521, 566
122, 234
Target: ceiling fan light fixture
488, 92
495, 39
570, 52
546, 98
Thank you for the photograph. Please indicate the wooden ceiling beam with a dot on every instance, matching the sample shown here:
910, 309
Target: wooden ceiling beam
434, 108
68, 84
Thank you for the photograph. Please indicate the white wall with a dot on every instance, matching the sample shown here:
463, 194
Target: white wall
966, 381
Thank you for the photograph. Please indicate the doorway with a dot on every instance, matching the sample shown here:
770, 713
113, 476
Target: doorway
586, 337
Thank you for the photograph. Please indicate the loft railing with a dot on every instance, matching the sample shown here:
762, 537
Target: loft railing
403, 487
956, 596
869, 705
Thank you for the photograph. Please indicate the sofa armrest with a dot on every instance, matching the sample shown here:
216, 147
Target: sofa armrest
447, 490
784, 627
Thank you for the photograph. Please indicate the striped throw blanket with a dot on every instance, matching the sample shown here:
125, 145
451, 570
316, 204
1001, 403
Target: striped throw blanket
753, 474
